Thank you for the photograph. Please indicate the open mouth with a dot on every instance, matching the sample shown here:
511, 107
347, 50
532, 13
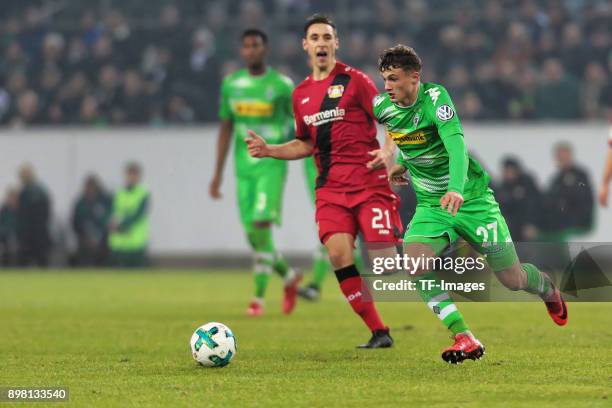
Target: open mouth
321, 54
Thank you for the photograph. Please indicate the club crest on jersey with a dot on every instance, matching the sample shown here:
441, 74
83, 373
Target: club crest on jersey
415, 120
335, 91
445, 112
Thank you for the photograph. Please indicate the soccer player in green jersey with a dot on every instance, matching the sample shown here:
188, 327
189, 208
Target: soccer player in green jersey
320, 263
257, 97
453, 197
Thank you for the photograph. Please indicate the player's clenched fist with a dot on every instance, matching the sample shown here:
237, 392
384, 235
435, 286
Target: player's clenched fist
256, 144
451, 201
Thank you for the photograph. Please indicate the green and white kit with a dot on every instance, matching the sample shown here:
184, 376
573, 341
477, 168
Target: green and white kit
430, 138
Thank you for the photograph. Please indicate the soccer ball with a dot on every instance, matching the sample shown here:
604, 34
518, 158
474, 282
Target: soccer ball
213, 345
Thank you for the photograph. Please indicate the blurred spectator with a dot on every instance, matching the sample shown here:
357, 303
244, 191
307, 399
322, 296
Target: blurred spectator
70, 96
90, 218
557, 97
28, 110
107, 92
519, 200
129, 224
574, 54
179, 111
470, 107
8, 229
595, 81
133, 102
90, 114
33, 215
569, 203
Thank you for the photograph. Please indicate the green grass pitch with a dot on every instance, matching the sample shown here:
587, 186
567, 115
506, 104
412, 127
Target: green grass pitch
121, 339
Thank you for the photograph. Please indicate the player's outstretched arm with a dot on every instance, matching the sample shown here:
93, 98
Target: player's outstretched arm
225, 134
293, 150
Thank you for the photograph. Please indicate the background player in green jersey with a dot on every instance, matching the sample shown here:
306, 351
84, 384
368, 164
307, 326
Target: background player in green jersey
453, 196
257, 97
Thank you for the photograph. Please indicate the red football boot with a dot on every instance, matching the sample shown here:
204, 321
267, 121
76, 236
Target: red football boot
255, 309
557, 309
291, 290
466, 346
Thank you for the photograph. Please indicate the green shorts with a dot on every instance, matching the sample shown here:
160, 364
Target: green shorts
479, 222
260, 198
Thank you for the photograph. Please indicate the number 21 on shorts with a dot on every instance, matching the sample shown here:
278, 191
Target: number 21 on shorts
379, 217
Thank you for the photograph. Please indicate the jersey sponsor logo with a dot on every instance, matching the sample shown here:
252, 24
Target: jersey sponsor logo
445, 113
335, 91
305, 100
434, 93
253, 108
413, 138
325, 116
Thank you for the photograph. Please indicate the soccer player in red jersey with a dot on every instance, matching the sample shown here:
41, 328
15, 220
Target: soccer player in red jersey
334, 121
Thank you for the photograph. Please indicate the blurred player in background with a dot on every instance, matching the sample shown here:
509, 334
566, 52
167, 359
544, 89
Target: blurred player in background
257, 97
333, 117
320, 264
454, 199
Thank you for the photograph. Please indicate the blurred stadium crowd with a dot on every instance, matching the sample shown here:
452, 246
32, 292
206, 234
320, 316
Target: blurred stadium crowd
107, 62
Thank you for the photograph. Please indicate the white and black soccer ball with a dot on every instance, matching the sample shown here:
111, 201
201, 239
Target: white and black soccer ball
213, 345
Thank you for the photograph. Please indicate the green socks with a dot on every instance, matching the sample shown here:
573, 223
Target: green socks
440, 303
320, 266
537, 282
266, 259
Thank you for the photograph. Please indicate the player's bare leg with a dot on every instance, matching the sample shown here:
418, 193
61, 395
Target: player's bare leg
340, 250
529, 278
465, 346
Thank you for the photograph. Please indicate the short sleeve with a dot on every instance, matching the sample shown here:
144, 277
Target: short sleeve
225, 111
301, 129
377, 106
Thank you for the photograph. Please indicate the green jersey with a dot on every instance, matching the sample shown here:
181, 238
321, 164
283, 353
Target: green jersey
261, 103
430, 138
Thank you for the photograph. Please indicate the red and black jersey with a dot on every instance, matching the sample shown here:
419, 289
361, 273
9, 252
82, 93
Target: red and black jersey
336, 114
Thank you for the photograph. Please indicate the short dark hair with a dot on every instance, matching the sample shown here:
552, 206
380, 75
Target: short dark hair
255, 32
399, 56
318, 19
